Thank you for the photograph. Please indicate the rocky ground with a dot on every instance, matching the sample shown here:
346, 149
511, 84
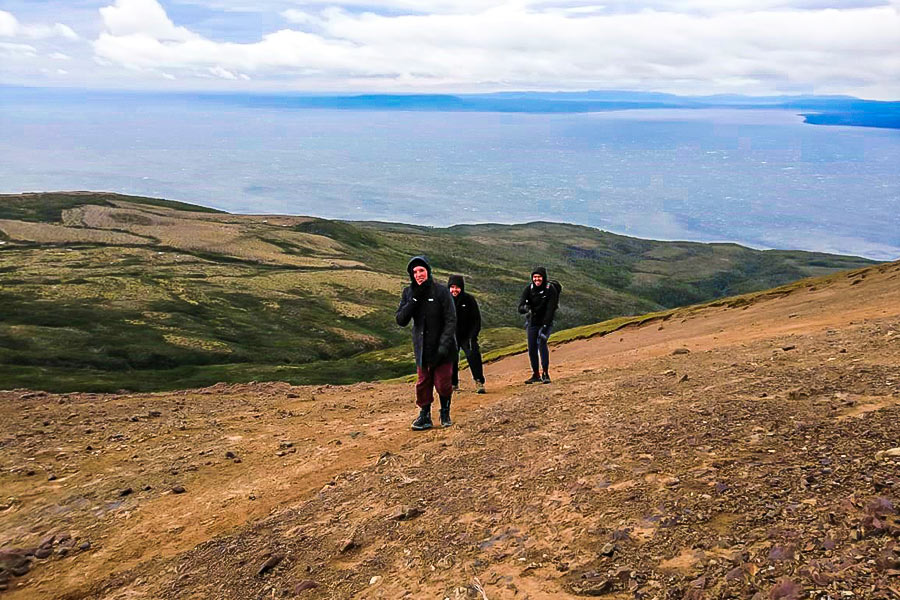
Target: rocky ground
739, 451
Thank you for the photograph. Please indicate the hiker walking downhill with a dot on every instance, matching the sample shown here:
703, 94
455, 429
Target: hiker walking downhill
468, 325
430, 307
539, 302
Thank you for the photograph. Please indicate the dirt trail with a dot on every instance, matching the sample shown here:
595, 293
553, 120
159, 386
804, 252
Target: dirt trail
747, 465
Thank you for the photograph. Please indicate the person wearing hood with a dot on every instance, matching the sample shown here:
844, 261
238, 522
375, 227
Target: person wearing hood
468, 325
430, 307
538, 302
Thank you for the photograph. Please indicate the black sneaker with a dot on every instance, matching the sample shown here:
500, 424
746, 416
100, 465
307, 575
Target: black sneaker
545, 378
534, 379
423, 421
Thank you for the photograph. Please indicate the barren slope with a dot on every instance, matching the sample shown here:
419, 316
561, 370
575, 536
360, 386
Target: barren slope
752, 465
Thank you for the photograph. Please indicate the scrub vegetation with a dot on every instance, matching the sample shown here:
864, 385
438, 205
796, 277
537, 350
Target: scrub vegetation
101, 292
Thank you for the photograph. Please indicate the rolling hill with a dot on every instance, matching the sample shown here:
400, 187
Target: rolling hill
101, 292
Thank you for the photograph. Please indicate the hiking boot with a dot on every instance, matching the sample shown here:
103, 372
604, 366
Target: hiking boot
535, 378
545, 378
479, 387
423, 421
445, 413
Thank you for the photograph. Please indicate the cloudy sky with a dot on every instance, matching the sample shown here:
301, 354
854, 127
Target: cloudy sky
680, 46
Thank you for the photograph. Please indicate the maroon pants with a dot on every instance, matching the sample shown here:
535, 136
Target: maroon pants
434, 378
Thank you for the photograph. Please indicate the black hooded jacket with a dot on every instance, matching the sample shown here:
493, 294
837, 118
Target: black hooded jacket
539, 302
430, 307
468, 315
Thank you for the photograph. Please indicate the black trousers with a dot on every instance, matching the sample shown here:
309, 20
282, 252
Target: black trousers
538, 345
473, 355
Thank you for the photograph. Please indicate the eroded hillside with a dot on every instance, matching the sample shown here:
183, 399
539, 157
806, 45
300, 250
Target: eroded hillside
745, 450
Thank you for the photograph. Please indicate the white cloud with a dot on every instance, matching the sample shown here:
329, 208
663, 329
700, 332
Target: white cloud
11, 50
60, 56
223, 73
537, 44
11, 27
143, 17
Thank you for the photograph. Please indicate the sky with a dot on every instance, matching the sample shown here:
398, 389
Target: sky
691, 47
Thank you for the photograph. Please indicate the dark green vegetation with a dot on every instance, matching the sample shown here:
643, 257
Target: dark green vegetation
105, 292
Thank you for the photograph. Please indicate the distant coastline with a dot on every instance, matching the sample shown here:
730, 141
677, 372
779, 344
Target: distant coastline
816, 110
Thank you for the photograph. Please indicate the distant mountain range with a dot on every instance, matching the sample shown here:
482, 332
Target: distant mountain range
817, 110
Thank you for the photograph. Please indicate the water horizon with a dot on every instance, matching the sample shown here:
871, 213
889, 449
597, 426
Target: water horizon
760, 178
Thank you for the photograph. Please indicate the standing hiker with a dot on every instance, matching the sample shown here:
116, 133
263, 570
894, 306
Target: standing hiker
539, 302
468, 325
430, 306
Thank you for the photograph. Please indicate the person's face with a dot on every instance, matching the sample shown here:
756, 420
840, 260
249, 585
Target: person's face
455, 290
420, 274
538, 279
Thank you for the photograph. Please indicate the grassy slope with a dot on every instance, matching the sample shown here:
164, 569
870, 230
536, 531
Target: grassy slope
207, 297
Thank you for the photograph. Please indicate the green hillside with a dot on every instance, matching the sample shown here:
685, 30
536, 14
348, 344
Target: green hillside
102, 292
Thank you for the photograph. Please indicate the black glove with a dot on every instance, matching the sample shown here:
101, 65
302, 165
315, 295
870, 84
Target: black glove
419, 292
524, 308
443, 353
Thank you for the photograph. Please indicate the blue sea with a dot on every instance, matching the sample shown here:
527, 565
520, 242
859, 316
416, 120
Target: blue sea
761, 178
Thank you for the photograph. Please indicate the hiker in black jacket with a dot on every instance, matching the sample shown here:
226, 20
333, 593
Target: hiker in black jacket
538, 302
430, 307
468, 325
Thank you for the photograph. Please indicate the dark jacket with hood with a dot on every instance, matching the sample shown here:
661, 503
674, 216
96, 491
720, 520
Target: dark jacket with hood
430, 307
539, 302
468, 316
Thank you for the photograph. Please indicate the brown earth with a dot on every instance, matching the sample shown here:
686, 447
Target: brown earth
762, 463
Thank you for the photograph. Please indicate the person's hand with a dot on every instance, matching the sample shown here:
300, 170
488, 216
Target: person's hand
419, 292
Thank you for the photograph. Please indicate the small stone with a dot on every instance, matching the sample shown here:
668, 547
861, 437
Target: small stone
788, 348
230, 454
125, 492
270, 564
785, 590
677, 351
51, 477
683, 378
608, 549
85, 545
306, 584
178, 489
405, 513
892, 453
43, 552
599, 587
375, 580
